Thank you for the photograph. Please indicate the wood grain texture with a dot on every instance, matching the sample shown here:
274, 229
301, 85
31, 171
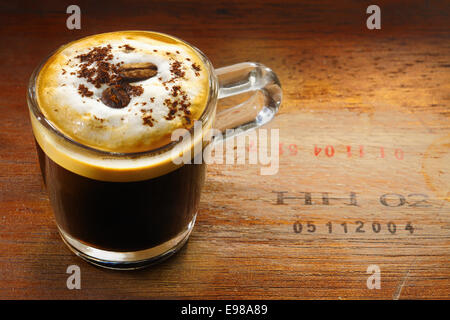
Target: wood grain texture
385, 94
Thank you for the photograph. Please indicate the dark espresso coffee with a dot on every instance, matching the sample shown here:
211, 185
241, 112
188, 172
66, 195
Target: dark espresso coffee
123, 216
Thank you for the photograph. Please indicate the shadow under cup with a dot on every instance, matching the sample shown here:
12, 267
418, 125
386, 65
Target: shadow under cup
128, 211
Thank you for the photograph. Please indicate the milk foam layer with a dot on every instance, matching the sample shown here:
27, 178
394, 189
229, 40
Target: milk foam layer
78, 120
174, 98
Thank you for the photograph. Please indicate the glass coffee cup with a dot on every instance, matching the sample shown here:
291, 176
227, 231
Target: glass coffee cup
128, 210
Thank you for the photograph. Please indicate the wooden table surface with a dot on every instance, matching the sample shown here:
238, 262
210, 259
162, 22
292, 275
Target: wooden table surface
364, 163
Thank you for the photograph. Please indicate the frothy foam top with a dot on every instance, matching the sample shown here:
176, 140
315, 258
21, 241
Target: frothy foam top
123, 91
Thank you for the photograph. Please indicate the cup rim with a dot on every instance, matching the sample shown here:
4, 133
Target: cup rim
37, 113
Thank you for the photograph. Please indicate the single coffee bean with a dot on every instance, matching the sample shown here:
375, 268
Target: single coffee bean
115, 97
131, 72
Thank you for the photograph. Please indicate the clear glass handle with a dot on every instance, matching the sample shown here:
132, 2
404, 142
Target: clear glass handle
250, 95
